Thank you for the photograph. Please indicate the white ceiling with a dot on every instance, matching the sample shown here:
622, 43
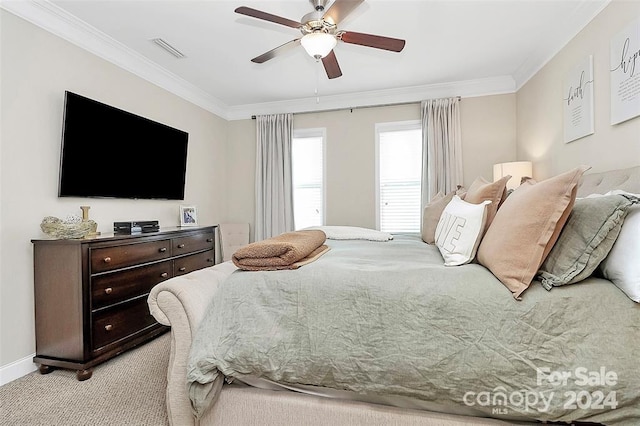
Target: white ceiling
453, 47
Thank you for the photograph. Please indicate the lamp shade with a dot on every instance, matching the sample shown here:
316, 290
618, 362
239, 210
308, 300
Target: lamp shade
517, 170
319, 44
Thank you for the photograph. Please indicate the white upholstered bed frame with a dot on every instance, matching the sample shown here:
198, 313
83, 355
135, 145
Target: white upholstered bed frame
182, 301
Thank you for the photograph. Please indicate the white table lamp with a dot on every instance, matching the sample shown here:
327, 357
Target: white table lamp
517, 170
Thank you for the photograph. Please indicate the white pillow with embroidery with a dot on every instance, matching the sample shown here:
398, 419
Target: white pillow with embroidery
459, 231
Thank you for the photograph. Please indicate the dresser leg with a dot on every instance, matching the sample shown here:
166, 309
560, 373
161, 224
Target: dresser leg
82, 375
45, 369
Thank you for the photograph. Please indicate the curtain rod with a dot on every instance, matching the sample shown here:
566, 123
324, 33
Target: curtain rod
253, 117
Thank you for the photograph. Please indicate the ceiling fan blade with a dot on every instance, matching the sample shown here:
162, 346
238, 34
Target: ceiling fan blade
369, 40
277, 51
340, 9
331, 66
254, 13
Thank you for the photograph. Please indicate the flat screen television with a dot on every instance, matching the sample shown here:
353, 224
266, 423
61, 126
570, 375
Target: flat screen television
111, 153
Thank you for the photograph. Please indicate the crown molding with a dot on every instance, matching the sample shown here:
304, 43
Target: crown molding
465, 89
582, 15
57, 21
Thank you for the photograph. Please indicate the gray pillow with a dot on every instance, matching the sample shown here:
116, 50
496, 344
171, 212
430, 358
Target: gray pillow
586, 239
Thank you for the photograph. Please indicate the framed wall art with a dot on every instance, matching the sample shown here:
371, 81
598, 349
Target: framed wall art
625, 73
578, 101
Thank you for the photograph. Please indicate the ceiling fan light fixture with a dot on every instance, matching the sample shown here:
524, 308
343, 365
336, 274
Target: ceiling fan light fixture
318, 44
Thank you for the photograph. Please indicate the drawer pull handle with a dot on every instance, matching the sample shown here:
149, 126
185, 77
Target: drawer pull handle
164, 275
107, 259
209, 260
108, 327
182, 269
108, 290
209, 240
162, 249
180, 245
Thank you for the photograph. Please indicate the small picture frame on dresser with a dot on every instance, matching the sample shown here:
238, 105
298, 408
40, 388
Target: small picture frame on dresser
188, 216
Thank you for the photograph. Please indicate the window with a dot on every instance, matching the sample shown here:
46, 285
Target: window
307, 163
398, 175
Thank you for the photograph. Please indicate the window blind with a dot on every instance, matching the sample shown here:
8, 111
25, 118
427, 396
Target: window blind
400, 171
307, 175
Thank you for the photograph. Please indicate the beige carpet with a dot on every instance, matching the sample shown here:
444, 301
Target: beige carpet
126, 390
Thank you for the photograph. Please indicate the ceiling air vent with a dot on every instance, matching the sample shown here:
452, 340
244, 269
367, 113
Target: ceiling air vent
169, 48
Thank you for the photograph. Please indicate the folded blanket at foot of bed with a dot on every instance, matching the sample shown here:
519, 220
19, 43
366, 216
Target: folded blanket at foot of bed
285, 251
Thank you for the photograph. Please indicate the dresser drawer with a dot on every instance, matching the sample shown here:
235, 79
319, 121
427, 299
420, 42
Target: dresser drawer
192, 243
110, 258
186, 264
120, 321
122, 285
91, 294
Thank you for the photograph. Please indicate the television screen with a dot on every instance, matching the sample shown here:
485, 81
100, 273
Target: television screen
111, 153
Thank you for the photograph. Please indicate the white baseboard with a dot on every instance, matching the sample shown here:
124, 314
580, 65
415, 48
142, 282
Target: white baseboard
17, 369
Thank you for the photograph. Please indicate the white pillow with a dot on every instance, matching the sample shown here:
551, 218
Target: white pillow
460, 230
622, 264
338, 232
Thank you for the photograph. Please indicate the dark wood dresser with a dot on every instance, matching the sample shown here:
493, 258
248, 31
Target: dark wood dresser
91, 294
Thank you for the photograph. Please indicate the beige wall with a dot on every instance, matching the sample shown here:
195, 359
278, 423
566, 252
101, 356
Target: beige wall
488, 136
36, 69
241, 172
539, 105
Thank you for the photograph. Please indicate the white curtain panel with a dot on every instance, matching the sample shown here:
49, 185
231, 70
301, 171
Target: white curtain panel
274, 189
441, 147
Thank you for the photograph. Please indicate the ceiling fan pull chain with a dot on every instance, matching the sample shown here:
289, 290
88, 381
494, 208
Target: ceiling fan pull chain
317, 81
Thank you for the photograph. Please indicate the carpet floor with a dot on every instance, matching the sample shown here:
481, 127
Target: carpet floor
128, 390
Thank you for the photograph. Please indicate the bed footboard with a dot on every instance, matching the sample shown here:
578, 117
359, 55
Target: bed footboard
181, 303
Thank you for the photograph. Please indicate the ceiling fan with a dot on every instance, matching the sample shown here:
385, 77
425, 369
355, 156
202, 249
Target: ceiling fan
320, 33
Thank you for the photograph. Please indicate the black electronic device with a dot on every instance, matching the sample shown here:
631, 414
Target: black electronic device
111, 153
134, 227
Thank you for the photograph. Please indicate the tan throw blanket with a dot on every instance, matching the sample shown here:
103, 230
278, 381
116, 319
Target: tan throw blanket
285, 251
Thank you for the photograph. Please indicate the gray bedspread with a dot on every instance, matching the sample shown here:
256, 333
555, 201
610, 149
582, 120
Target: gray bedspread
387, 318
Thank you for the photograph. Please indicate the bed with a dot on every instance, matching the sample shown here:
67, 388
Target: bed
569, 354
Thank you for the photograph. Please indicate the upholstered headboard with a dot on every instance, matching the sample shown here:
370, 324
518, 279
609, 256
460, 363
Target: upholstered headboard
599, 183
